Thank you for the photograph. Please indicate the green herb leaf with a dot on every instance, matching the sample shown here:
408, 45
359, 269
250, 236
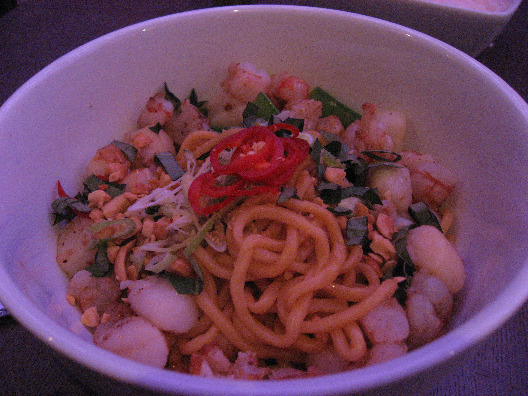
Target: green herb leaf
93, 182
356, 171
156, 128
192, 286
101, 266
422, 215
357, 231
168, 162
287, 193
382, 155
193, 99
262, 108
331, 106
127, 149
369, 196
170, 96
66, 208
330, 193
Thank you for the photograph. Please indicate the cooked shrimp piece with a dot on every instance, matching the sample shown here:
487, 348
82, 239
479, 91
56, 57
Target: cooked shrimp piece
424, 324
109, 163
158, 110
393, 184
308, 109
244, 81
90, 291
149, 143
386, 323
73, 242
432, 182
385, 351
430, 250
435, 291
368, 133
286, 87
134, 338
188, 119
225, 110
331, 124
156, 300
139, 181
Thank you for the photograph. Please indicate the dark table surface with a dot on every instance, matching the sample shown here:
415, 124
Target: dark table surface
37, 32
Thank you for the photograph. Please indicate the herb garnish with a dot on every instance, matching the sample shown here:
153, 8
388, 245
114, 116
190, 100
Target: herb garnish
193, 286
422, 215
331, 106
127, 149
168, 162
101, 266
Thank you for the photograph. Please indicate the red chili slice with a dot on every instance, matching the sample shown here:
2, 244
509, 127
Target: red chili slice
277, 127
197, 196
246, 155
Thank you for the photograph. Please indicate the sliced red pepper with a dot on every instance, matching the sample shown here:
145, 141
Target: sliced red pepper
200, 202
261, 162
60, 190
277, 127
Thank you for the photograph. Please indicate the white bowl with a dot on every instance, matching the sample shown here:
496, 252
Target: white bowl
469, 25
459, 111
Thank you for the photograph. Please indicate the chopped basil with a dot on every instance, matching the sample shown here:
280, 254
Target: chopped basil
296, 122
356, 171
422, 215
66, 208
334, 147
152, 210
92, 183
262, 109
101, 266
330, 193
330, 160
193, 99
357, 231
168, 162
156, 128
340, 210
114, 229
287, 193
332, 106
368, 195
382, 155
171, 97
193, 286
317, 149
404, 266
127, 149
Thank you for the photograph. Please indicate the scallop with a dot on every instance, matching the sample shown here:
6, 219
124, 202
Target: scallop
429, 249
154, 299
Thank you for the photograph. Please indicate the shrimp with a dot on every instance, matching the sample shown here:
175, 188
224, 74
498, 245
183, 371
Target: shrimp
424, 324
430, 250
109, 163
246, 367
156, 300
308, 109
134, 338
286, 87
435, 291
432, 182
89, 291
189, 119
149, 143
376, 130
73, 253
140, 181
386, 323
244, 81
158, 110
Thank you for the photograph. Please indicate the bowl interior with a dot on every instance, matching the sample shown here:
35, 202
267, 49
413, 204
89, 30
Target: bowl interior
458, 110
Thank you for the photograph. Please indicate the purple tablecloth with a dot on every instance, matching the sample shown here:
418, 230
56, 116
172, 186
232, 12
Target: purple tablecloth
37, 32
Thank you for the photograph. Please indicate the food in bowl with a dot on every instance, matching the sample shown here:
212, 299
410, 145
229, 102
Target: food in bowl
269, 233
